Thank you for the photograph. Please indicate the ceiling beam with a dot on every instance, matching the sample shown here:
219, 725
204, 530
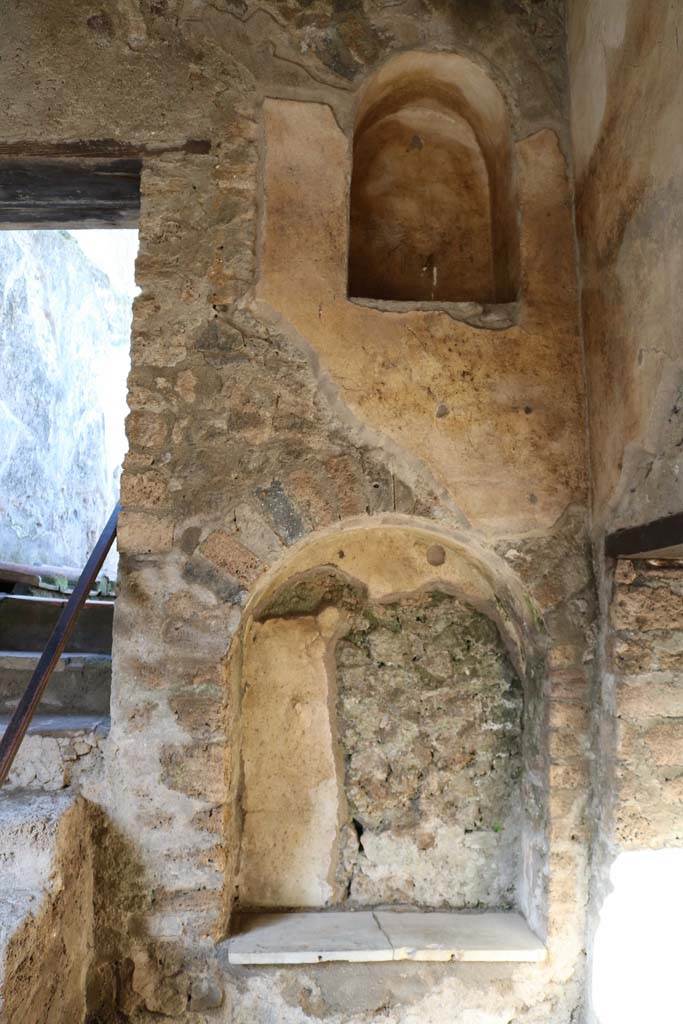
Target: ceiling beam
660, 538
71, 193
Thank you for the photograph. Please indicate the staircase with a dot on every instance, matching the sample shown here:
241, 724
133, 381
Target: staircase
63, 743
46, 871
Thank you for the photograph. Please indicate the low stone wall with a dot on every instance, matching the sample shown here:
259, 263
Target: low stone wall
69, 754
47, 906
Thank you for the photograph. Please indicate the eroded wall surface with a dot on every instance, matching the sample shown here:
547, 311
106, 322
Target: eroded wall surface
266, 408
430, 722
627, 135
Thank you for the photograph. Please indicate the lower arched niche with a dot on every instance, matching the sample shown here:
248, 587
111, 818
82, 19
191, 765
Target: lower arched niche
388, 678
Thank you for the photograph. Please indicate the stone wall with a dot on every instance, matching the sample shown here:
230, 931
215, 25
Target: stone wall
627, 137
430, 726
626, 97
267, 409
64, 342
647, 662
639, 797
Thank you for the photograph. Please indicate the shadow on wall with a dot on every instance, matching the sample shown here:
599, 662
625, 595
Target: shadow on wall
433, 202
389, 680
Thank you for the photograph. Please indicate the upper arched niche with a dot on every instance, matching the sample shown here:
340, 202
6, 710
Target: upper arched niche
433, 206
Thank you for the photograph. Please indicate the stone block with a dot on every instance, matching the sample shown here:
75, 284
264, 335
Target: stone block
574, 776
624, 572
647, 608
565, 745
567, 815
639, 653
568, 684
146, 429
650, 698
569, 715
657, 825
255, 533
199, 710
664, 742
142, 533
226, 552
186, 386
205, 994
564, 656
198, 770
144, 490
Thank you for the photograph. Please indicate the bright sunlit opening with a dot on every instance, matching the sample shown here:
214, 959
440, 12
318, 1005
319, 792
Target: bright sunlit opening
638, 955
114, 252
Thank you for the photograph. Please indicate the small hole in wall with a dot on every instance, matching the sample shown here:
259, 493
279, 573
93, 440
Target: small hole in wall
436, 554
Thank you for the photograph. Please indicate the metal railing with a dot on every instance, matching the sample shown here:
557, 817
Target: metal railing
59, 638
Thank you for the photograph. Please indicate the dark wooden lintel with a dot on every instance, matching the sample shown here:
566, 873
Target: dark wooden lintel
657, 536
106, 149
69, 193
89, 183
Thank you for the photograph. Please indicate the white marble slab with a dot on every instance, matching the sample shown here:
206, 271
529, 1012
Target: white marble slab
314, 937
309, 938
436, 935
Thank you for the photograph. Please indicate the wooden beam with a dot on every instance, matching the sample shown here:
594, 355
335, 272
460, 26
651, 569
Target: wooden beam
103, 149
658, 536
69, 193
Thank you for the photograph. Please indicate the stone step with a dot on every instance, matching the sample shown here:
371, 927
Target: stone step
45, 918
27, 621
29, 824
80, 683
28, 833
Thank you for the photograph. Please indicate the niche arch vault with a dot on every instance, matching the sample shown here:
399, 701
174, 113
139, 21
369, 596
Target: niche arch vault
290, 774
433, 207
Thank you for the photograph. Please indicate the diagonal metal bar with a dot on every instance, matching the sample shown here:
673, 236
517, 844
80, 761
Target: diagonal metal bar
21, 719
